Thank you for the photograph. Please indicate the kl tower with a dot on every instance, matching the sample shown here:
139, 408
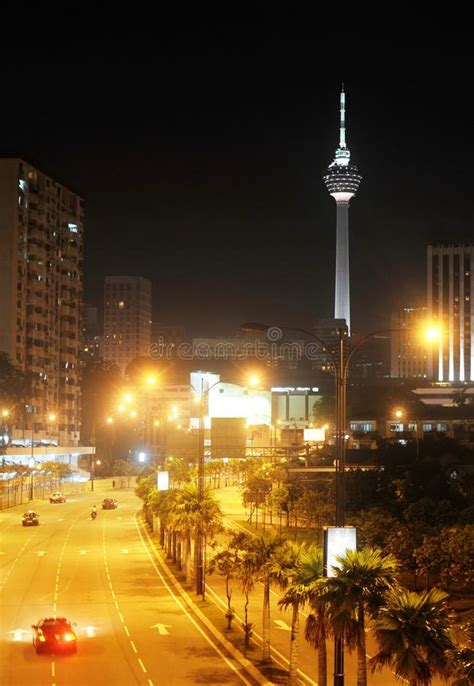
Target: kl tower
342, 180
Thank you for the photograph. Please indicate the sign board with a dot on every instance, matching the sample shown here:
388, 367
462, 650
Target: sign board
337, 540
163, 481
315, 435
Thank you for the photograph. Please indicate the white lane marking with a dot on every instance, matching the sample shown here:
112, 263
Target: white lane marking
134, 647
83, 552
282, 625
53, 669
125, 628
41, 553
277, 656
184, 609
121, 617
162, 628
142, 665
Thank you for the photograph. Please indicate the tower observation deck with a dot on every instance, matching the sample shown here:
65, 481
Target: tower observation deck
342, 180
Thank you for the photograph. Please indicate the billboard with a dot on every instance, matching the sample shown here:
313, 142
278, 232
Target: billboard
337, 540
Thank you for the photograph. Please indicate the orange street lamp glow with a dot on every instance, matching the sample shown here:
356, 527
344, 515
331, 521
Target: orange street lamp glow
399, 414
121, 408
151, 380
5, 413
156, 422
254, 380
133, 413
110, 420
432, 333
127, 398
52, 417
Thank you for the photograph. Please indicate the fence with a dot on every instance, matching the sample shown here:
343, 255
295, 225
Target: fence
21, 490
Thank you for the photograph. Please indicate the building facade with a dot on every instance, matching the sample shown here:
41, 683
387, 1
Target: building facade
41, 242
127, 319
408, 352
450, 302
91, 340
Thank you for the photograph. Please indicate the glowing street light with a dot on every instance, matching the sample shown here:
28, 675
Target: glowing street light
254, 380
5, 413
399, 414
110, 420
52, 417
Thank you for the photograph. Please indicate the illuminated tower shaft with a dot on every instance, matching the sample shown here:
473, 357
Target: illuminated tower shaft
342, 181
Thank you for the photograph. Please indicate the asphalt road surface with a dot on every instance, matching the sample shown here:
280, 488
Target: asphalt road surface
133, 627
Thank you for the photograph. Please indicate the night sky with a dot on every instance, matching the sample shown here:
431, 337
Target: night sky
200, 155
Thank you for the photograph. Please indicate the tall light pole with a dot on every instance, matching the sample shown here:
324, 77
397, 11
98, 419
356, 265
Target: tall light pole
341, 358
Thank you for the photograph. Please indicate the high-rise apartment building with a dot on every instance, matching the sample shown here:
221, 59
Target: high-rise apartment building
41, 236
409, 353
451, 302
91, 340
127, 319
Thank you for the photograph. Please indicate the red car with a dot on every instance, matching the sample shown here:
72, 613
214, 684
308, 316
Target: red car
54, 635
57, 498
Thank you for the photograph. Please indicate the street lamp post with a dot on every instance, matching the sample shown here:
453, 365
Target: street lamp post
340, 361
93, 464
31, 465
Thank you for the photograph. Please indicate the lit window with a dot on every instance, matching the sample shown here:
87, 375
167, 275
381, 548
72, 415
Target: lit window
121, 304
73, 228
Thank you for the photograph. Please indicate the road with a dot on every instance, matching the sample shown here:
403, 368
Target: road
133, 626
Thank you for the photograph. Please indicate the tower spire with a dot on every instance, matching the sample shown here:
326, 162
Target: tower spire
342, 180
342, 127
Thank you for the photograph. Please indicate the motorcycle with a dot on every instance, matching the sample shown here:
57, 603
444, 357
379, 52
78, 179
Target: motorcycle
93, 514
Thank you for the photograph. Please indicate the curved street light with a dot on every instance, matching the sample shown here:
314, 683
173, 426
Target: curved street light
340, 361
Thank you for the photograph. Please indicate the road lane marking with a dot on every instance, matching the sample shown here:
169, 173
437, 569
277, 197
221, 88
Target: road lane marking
142, 665
125, 628
185, 610
282, 625
53, 669
41, 553
134, 647
121, 617
162, 628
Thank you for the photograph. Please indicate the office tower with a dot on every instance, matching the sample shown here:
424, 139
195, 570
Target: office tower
450, 302
342, 180
409, 354
41, 235
127, 319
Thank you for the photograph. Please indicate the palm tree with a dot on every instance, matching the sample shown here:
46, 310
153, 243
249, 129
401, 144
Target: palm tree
316, 627
296, 567
362, 580
263, 550
462, 658
413, 631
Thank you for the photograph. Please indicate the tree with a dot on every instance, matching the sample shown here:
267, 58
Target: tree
263, 550
296, 567
227, 563
414, 634
462, 658
359, 588
58, 470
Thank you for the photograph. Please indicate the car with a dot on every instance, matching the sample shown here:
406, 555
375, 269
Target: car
57, 498
109, 504
30, 518
54, 635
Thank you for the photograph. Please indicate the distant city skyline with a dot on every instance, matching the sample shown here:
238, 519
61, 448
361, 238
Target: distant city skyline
210, 185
